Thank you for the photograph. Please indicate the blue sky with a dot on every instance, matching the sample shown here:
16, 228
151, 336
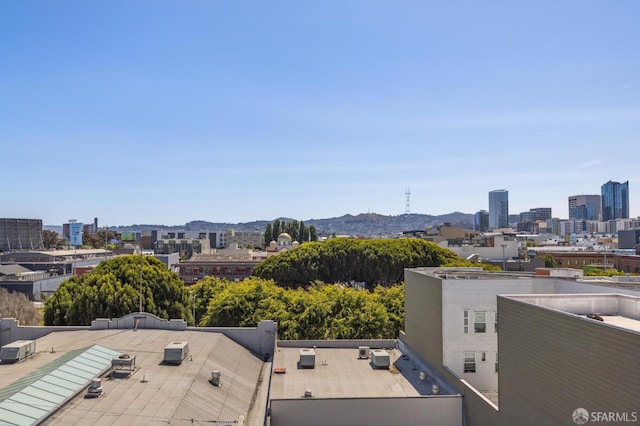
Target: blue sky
170, 111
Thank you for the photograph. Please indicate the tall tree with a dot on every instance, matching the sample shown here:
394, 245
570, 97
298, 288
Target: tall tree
302, 231
276, 229
112, 289
51, 239
268, 235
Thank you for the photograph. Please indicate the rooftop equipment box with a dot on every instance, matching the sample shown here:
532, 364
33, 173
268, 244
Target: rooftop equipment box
17, 351
380, 358
307, 358
176, 352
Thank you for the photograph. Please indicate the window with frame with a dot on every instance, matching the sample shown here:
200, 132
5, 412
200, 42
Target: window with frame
466, 322
480, 322
496, 362
483, 356
469, 362
495, 323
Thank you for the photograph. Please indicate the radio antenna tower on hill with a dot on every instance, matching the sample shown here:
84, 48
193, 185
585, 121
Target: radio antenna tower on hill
407, 194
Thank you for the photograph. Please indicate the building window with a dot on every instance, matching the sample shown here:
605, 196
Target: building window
559, 262
496, 362
480, 324
495, 324
483, 356
469, 362
466, 322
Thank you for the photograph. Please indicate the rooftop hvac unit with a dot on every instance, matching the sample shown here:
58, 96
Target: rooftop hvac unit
176, 352
435, 389
307, 358
17, 351
363, 352
380, 358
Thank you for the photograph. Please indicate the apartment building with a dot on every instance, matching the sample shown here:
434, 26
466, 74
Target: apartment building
457, 322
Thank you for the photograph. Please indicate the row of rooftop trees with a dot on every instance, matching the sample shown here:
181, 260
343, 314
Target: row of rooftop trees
297, 230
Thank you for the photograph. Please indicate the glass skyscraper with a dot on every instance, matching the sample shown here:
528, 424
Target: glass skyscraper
615, 200
481, 221
499, 209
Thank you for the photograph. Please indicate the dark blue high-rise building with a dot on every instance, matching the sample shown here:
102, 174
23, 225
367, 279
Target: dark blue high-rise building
481, 222
498, 209
615, 200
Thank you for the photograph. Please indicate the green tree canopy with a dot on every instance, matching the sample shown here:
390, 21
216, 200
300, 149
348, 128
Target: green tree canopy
549, 261
321, 312
51, 239
378, 261
112, 290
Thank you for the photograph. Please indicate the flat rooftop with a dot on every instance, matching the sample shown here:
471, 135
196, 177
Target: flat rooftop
622, 322
340, 373
154, 392
617, 310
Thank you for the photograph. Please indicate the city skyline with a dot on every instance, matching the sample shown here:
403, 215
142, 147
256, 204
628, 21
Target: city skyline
169, 112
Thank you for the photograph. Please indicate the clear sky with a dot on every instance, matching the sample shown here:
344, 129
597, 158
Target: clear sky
231, 111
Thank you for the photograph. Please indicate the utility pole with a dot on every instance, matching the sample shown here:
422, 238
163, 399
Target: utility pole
504, 259
140, 275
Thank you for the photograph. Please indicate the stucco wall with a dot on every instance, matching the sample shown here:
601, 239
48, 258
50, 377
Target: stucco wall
423, 411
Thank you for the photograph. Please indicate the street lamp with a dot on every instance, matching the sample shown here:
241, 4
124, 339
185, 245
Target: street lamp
140, 276
504, 259
195, 322
106, 232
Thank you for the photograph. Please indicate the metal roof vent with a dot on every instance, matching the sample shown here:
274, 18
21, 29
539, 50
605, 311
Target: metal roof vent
435, 389
308, 393
95, 389
216, 377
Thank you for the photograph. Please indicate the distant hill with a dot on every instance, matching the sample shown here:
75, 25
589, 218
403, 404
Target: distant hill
361, 225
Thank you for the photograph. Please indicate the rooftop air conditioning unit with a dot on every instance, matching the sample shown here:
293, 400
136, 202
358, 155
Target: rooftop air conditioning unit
176, 352
363, 352
307, 358
17, 351
380, 358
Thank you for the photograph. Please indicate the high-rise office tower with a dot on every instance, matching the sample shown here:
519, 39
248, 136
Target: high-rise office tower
498, 209
615, 200
585, 207
481, 222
